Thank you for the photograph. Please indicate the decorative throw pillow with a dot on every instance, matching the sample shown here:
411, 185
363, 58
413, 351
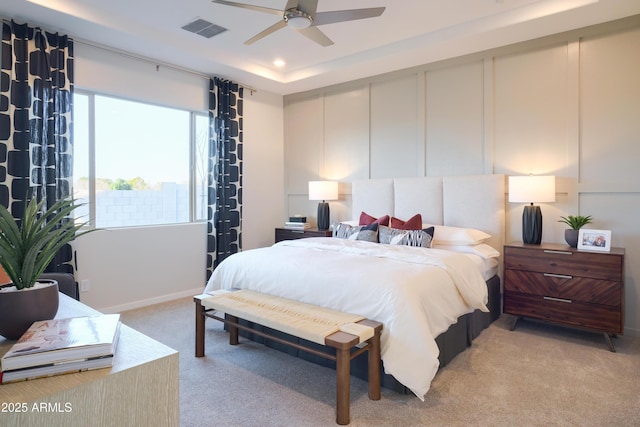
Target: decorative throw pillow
416, 238
366, 219
413, 223
367, 233
387, 234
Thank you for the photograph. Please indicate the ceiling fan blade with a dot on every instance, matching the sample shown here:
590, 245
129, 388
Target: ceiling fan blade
323, 18
291, 4
307, 6
250, 7
272, 29
316, 35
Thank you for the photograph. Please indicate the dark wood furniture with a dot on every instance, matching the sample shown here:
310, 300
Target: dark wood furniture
345, 345
288, 234
562, 285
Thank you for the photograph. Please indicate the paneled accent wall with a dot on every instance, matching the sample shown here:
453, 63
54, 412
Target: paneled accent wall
455, 118
395, 147
566, 105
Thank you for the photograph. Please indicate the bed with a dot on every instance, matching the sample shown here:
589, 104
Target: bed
432, 302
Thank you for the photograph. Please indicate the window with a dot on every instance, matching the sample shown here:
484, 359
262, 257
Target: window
138, 164
201, 161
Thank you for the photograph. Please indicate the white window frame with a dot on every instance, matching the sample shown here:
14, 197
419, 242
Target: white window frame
92, 157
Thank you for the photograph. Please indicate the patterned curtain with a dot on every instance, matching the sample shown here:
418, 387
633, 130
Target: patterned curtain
224, 230
36, 93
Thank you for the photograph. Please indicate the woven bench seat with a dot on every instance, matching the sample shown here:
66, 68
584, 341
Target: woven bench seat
350, 335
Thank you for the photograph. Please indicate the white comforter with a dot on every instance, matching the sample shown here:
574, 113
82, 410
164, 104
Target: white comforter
416, 293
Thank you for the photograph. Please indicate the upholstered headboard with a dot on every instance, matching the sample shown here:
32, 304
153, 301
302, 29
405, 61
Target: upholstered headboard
474, 201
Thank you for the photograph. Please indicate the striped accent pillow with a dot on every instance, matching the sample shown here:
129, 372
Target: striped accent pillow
416, 238
368, 233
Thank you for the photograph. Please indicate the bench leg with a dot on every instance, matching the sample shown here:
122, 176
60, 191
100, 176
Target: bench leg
233, 330
199, 329
343, 385
374, 367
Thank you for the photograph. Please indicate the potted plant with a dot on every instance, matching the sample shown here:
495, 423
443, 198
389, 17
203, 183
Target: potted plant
27, 246
575, 223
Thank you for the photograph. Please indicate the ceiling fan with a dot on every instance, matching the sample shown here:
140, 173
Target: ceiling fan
301, 16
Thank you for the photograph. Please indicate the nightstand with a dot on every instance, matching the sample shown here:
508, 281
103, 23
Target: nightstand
288, 234
565, 286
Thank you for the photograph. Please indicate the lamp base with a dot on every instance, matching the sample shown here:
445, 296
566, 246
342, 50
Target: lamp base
532, 225
323, 216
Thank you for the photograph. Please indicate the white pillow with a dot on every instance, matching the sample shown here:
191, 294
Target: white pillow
447, 235
482, 250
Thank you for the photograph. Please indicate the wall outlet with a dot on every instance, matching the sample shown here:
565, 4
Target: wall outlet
84, 286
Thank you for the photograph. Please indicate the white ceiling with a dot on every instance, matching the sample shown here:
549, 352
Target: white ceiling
409, 33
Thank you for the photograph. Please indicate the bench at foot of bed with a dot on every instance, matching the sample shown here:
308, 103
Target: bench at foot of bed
352, 336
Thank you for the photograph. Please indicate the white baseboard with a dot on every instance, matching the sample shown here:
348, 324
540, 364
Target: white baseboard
150, 301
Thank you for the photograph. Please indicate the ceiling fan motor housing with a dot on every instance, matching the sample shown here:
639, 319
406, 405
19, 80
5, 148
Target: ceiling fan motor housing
298, 19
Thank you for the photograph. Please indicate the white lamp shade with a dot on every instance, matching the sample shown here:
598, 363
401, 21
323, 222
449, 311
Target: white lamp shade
323, 190
532, 189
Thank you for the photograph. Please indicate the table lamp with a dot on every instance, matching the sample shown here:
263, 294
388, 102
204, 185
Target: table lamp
532, 189
323, 190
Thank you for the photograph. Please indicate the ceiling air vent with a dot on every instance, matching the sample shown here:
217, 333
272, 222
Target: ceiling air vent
204, 28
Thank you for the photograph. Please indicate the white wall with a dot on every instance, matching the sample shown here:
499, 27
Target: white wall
566, 105
264, 207
136, 266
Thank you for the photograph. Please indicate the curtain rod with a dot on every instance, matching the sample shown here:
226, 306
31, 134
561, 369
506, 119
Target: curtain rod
158, 64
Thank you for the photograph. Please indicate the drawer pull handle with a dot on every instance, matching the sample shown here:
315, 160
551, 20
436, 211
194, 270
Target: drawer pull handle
549, 251
559, 276
558, 299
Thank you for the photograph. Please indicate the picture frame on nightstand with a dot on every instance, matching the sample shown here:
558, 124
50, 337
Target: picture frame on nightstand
594, 240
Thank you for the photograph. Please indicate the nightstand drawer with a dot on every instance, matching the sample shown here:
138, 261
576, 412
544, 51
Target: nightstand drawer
600, 317
568, 262
569, 287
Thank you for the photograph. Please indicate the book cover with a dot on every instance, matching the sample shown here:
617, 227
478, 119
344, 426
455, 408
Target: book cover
59, 340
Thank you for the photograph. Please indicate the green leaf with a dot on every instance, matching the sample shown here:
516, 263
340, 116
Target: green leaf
576, 222
27, 250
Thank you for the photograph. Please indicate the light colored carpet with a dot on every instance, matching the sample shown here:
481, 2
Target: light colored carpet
537, 375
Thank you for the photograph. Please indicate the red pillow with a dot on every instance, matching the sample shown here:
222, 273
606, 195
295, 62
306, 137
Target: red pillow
413, 223
366, 219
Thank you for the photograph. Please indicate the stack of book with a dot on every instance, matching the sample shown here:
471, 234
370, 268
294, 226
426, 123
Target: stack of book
62, 346
297, 223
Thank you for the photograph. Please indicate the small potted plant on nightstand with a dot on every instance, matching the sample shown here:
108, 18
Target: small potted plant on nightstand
27, 246
575, 223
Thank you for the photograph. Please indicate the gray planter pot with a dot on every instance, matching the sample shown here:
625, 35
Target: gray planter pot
571, 237
19, 309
